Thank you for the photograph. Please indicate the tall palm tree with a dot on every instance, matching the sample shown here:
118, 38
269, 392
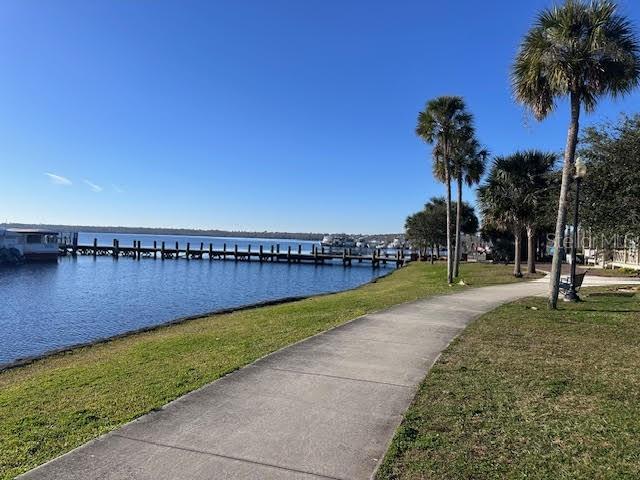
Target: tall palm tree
468, 161
581, 51
443, 120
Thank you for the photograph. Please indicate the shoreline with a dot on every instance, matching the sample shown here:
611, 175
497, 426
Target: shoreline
21, 362
89, 391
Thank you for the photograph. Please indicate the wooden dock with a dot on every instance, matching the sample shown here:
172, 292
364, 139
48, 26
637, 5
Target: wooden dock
317, 256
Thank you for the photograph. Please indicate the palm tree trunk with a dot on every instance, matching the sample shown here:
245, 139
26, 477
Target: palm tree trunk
447, 176
449, 255
531, 250
569, 155
517, 271
456, 265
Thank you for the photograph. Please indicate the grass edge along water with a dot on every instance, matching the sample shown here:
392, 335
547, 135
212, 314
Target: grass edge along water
58, 403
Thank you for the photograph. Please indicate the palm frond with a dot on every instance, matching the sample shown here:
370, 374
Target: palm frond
443, 121
511, 194
580, 48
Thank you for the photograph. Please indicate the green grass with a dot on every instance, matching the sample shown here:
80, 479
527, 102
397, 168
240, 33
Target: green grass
614, 272
529, 393
53, 405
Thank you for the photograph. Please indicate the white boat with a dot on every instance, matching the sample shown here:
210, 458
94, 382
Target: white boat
338, 241
327, 241
395, 244
361, 243
30, 244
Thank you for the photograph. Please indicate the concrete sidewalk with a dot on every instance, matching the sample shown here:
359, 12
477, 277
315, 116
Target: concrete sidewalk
326, 407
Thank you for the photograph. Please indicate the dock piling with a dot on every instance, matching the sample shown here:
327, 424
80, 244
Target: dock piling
319, 255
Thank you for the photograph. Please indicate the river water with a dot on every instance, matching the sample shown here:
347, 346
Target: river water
48, 306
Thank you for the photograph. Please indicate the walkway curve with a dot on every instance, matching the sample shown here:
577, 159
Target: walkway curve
324, 408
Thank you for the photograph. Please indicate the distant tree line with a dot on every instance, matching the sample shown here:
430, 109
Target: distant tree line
427, 229
190, 232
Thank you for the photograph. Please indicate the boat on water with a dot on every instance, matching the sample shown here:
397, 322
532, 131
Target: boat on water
396, 243
327, 241
338, 241
28, 244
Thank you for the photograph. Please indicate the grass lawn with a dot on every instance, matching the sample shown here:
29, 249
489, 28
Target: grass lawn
614, 272
593, 271
55, 404
529, 393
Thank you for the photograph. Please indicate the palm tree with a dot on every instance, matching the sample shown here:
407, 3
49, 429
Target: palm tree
581, 51
513, 195
503, 203
538, 181
444, 120
469, 161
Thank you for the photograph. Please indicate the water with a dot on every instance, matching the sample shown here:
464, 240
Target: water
44, 307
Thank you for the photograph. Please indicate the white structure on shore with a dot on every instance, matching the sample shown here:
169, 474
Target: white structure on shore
30, 243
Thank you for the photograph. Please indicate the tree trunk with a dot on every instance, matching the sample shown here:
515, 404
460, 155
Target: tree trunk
449, 242
569, 156
458, 253
531, 250
517, 271
447, 176
432, 252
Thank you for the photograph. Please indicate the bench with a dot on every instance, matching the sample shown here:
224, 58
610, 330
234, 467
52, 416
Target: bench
565, 283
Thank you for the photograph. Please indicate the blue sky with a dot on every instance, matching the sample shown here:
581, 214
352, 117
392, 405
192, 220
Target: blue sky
254, 115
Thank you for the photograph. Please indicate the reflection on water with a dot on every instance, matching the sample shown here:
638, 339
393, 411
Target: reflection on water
49, 306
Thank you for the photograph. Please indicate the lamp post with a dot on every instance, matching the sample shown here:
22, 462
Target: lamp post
581, 171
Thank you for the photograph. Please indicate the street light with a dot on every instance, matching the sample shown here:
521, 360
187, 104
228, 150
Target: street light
581, 171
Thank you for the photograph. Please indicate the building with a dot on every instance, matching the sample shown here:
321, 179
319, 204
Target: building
30, 244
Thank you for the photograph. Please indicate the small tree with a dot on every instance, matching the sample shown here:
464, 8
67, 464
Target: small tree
421, 230
428, 227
